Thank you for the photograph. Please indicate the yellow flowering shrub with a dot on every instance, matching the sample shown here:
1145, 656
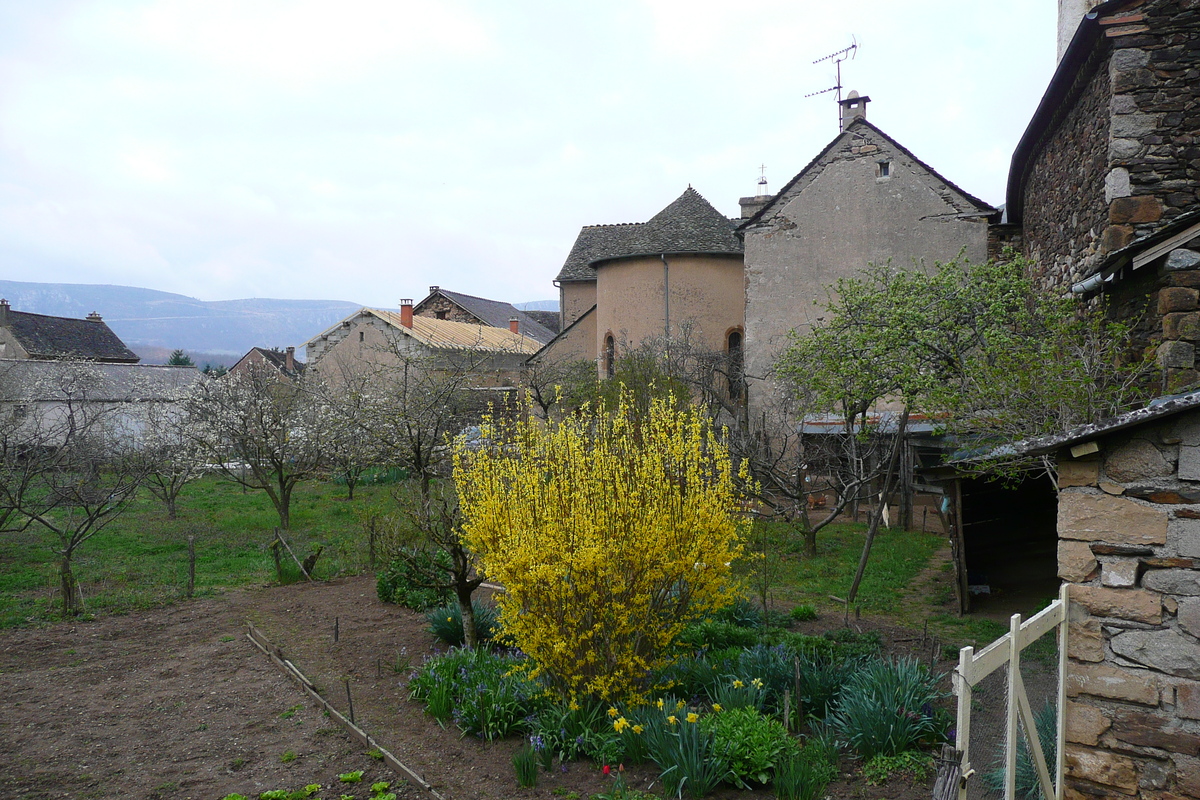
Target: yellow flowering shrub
608, 534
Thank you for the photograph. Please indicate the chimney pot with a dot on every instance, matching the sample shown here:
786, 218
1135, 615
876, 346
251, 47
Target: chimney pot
94, 317
406, 314
4, 308
852, 108
433, 289
514, 324
291, 359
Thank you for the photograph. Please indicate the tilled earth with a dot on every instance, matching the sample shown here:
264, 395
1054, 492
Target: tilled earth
177, 703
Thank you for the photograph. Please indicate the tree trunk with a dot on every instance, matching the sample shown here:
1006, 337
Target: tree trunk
463, 592
70, 590
349, 487
877, 517
170, 502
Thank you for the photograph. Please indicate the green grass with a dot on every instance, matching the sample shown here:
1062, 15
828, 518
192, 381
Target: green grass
140, 559
896, 558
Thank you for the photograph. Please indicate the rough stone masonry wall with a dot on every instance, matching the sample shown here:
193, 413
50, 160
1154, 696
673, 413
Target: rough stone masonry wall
1065, 209
1129, 542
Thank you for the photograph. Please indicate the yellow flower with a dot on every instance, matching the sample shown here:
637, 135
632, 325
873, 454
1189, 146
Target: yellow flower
612, 712
716, 706
573, 706
679, 705
756, 683
660, 703
671, 719
449, 619
693, 717
738, 684
620, 724
638, 729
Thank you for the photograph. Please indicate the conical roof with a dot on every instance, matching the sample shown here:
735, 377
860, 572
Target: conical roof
688, 225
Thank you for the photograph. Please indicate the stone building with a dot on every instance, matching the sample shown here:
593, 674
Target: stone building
678, 274
1129, 545
457, 307
1104, 189
378, 339
864, 199
281, 361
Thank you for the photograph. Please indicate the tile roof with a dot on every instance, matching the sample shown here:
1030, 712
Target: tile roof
688, 225
495, 313
444, 334
44, 337
278, 359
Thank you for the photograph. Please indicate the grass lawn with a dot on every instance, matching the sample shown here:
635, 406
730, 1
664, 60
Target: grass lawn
140, 559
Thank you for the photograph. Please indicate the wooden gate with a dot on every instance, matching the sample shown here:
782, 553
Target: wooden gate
974, 667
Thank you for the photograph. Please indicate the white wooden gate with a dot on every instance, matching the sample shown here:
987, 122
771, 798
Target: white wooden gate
974, 667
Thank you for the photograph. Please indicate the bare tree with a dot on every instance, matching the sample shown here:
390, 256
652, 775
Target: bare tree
167, 447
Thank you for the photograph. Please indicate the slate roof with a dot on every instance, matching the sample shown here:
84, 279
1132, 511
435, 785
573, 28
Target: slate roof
688, 225
494, 313
46, 337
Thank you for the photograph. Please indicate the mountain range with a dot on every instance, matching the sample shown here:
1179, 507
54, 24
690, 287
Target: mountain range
153, 323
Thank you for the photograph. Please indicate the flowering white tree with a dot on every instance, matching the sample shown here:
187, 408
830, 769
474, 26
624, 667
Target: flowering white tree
261, 430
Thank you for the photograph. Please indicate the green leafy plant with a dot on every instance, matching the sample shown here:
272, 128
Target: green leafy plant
887, 707
734, 693
819, 681
487, 694
445, 622
407, 579
882, 769
525, 764
288, 756
716, 635
804, 774
747, 744
803, 613
351, 777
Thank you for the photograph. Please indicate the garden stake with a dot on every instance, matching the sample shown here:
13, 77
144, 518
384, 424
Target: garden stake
349, 699
335, 629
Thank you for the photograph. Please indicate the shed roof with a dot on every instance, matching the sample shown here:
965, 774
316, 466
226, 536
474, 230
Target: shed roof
47, 337
689, 224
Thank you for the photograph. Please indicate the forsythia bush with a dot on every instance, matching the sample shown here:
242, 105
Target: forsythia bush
609, 536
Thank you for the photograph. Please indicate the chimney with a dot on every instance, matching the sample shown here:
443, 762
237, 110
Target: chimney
4, 308
290, 363
94, 317
433, 289
752, 205
514, 324
406, 313
853, 107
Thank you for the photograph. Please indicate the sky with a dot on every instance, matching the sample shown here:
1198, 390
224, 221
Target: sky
364, 151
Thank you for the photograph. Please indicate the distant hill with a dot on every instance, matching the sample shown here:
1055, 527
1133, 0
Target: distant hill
150, 321
538, 305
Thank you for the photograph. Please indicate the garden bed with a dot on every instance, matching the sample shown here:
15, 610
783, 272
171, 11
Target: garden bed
175, 702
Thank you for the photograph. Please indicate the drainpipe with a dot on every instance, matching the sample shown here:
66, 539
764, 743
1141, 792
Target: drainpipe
666, 307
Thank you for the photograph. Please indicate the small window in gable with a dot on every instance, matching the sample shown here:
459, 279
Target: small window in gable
361, 336
442, 314
883, 170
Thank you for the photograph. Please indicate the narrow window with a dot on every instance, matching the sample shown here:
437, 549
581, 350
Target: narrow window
442, 314
610, 356
361, 336
733, 346
883, 169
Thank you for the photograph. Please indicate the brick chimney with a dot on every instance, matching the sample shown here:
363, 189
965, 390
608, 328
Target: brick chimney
4, 309
290, 363
94, 317
514, 324
853, 107
406, 314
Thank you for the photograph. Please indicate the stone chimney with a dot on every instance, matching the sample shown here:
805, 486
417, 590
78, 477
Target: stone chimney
290, 362
514, 324
752, 205
94, 317
406, 314
4, 309
853, 107
433, 289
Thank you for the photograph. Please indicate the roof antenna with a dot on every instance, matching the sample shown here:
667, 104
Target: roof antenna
837, 58
762, 181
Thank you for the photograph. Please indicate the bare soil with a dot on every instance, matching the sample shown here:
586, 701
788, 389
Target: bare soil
177, 703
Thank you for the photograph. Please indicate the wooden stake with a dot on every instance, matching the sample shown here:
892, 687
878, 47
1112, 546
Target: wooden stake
349, 699
303, 571
335, 629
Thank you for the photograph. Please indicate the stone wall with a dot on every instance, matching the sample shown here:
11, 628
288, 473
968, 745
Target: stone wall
1065, 211
434, 306
1129, 542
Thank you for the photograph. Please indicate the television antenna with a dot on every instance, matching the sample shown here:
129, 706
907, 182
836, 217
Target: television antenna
845, 54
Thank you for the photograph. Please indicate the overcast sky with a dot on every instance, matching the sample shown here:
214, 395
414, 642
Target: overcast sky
364, 150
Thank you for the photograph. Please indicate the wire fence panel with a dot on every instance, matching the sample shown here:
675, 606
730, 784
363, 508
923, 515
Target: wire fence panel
1010, 695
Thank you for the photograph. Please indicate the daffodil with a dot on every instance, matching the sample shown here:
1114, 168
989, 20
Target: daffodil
716, 707
693, 717
671, 719
738, 684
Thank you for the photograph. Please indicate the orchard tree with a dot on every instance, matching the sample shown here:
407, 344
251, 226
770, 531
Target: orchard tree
167, 447
609, 530
260, 429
